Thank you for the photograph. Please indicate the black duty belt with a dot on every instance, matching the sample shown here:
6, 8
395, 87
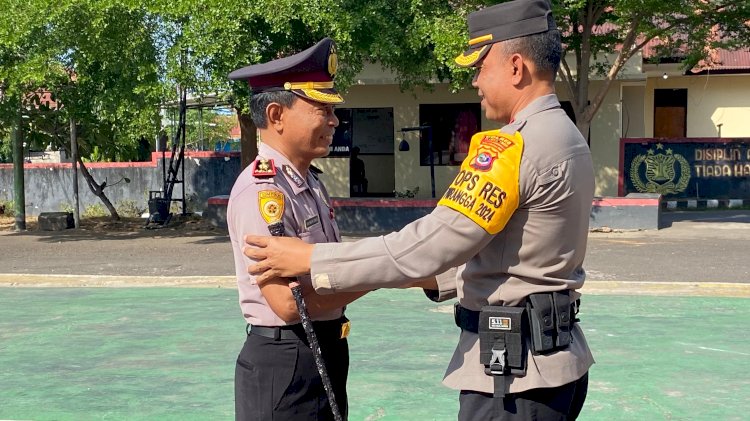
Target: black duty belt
326, 330
541, 324
468, 320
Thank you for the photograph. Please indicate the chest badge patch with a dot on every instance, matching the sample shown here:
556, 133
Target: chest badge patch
271, 204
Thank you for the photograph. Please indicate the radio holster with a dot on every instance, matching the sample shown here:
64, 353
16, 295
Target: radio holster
505, 333
502, 343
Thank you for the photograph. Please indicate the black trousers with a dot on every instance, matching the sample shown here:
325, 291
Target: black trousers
278, 380
561, 403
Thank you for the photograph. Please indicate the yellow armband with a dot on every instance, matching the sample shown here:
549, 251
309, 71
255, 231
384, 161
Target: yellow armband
486, 188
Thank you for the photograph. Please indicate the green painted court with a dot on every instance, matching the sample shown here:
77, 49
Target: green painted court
168, 354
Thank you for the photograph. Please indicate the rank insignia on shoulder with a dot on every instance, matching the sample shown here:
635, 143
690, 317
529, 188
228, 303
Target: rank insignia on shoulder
263, 168
271, 204
296, 179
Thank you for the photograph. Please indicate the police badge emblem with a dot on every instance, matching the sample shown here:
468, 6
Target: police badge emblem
271, 204
483, 160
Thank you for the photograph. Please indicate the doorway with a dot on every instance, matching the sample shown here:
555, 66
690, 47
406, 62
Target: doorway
670, 113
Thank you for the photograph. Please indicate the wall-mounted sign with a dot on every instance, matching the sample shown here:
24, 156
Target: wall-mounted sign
706, 168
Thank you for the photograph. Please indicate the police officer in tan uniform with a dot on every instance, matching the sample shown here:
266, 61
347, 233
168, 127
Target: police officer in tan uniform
292, 106
508, 237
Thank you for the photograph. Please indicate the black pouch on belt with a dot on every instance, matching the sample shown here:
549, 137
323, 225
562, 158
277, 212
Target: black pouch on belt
502, 345
550, 319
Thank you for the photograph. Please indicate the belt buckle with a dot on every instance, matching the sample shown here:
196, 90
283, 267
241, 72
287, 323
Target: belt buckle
346, 327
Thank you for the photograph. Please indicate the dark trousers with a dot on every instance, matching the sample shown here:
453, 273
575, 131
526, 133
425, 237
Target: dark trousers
278, 380
562, 403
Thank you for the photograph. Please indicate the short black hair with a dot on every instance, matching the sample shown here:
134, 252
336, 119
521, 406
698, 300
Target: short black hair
259, 102
543, 49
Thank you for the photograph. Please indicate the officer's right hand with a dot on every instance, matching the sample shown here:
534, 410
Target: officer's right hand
276, 257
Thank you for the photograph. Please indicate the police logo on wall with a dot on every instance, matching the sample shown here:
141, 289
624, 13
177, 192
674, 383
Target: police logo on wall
663, 173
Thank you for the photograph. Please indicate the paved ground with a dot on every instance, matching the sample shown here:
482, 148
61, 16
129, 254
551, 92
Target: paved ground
165, 353
696, 247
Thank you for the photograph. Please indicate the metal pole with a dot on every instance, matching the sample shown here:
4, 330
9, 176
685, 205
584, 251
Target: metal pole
19, 195
432, 160
74, 153
182, 152
277, 230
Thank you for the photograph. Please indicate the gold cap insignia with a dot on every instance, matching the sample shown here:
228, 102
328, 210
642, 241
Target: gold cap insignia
333, 61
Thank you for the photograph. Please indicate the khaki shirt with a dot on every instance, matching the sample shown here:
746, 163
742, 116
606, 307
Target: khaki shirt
538, 246
307, 214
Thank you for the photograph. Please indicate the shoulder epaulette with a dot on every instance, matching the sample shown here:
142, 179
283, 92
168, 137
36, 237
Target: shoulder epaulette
264, 168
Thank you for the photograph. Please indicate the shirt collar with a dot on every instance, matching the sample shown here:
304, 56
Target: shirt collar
280, 161
543, 103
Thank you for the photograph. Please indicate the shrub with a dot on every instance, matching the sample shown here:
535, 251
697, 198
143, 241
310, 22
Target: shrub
129, 209
407, 192
94, 211
7, 207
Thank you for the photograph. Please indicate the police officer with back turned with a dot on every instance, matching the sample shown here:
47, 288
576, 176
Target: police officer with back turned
276, 377
508, 237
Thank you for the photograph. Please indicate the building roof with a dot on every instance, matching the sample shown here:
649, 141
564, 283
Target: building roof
719, 60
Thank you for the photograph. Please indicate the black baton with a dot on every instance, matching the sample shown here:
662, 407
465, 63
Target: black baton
277, 230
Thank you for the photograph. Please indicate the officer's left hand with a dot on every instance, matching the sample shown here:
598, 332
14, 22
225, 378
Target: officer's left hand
277, 257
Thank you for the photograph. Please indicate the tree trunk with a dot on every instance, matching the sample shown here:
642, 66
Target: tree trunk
584, 125
19, 194
98, 190
248, 139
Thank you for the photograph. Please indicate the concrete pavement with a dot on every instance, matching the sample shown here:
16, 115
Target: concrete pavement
696, 247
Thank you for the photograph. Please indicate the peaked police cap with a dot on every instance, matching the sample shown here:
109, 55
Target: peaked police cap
504, 21
308, 74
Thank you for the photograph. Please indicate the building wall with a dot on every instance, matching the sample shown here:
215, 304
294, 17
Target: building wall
712, 100
49, 187
604, 137
409, 174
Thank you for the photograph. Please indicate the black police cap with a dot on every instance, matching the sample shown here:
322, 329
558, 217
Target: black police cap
504, 21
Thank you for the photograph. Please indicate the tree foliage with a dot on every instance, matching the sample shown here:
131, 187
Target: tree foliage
602, 36
109, 64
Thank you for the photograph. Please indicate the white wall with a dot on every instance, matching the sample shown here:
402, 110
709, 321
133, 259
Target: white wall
712, 100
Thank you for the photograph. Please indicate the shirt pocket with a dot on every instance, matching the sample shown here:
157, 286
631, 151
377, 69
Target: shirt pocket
314, 234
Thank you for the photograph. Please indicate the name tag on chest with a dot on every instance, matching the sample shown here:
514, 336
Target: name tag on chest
310, 222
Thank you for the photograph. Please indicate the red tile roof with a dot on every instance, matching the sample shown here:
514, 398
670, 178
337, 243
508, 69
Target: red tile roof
719, 59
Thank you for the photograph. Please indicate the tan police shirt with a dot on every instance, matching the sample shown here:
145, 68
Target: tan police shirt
513, 222
302, 204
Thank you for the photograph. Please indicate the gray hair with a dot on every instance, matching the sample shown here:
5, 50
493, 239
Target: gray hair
259, 102
543, 49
